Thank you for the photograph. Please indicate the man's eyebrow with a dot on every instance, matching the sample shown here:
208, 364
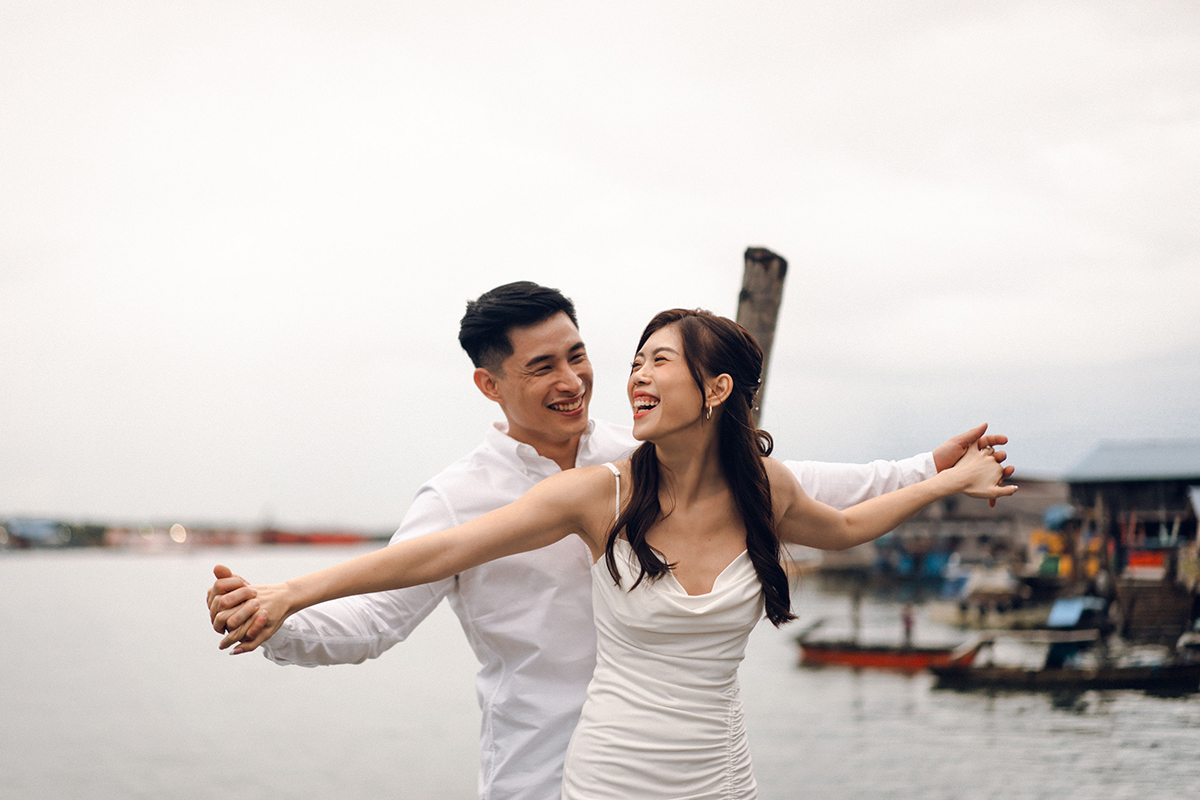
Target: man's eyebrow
538, 360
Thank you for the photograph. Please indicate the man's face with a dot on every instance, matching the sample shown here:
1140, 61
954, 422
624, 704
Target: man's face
545, 385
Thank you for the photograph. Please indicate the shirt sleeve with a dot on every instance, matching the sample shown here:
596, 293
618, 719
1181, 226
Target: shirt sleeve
350, 630
844, 485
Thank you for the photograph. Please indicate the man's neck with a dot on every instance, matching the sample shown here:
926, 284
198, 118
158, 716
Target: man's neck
561, 451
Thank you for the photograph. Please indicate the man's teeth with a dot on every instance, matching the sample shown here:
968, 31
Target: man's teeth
571, 406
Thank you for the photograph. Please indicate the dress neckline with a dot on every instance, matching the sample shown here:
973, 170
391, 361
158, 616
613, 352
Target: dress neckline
745, 554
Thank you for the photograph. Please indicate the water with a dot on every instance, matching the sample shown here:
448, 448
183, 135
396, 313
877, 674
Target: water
111, 686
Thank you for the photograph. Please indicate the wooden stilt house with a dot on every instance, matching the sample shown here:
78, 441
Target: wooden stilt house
1140, 498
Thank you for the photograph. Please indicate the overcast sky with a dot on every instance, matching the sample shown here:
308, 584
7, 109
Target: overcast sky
236, 238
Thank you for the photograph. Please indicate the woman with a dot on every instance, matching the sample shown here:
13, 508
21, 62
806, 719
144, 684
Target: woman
685, 538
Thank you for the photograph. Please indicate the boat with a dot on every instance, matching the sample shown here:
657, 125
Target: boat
849, 653
852, 652
272, 536
1164, 677
1177, 674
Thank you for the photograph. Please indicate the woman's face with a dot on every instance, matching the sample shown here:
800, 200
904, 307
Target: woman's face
661, 389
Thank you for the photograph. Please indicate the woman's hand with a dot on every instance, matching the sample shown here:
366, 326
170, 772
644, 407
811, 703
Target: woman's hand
268, 609
948, 454
227, 599
978, 474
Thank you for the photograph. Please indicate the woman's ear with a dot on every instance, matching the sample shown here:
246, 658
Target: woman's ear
718, 391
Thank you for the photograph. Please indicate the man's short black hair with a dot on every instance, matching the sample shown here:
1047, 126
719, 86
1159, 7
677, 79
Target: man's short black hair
483, 332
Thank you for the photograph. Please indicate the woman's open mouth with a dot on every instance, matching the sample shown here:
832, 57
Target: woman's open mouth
643, 404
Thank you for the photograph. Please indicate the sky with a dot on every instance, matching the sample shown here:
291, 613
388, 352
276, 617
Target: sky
236, 238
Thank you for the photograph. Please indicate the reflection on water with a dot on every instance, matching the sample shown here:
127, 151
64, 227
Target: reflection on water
111, 687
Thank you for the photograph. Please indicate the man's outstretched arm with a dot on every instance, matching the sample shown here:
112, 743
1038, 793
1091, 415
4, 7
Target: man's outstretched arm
349, 630
845, 485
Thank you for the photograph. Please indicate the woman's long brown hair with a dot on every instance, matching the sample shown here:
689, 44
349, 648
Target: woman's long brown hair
713, 346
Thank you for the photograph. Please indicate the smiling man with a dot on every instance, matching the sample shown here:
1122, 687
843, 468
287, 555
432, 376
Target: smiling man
528, 617
539, 374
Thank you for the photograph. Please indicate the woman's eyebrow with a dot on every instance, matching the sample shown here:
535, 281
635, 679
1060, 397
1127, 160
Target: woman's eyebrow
656, 351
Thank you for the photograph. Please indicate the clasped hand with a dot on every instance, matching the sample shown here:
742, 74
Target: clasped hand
244, 613
979, 474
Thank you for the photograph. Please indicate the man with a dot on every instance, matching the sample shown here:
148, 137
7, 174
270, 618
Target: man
528, 617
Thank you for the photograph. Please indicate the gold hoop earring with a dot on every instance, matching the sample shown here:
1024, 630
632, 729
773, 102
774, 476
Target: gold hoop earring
708, 412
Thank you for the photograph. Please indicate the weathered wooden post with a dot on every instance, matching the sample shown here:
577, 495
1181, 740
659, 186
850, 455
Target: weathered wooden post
758, 304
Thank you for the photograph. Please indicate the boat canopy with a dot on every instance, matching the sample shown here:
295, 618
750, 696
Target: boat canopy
1066, 612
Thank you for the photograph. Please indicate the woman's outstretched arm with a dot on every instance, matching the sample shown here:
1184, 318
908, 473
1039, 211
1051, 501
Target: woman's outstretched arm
803, 520
576, 501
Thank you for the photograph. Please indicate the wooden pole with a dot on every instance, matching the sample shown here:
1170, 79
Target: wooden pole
758, 304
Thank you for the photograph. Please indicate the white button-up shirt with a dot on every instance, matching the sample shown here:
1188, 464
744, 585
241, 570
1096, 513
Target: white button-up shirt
528, 617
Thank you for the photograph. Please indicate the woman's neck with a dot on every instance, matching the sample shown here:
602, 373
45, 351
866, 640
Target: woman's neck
690, 464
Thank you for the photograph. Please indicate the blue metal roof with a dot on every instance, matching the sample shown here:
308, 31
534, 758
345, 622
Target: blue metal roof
1146, 460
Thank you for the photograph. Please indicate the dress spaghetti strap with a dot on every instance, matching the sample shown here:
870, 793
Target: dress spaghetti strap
617, 504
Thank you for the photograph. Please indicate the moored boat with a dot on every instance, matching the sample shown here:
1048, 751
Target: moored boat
849, 653
272, 536
1170, 676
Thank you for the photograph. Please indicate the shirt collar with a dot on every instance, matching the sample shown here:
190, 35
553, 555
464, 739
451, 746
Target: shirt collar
498, 438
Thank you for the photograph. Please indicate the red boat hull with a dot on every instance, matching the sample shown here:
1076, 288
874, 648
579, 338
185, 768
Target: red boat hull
911, 659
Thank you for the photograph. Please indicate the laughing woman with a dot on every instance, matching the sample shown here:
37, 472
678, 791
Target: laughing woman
685, 539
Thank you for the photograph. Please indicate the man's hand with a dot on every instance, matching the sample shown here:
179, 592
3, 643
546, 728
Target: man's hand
232, 601
980, 475
956, 447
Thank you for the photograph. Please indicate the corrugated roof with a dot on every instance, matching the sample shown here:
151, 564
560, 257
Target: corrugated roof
1161, 459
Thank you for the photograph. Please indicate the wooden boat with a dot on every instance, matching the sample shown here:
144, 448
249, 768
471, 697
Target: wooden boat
1171, 676
848, 653
271, 536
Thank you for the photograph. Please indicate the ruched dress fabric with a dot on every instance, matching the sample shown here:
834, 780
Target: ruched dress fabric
663, 716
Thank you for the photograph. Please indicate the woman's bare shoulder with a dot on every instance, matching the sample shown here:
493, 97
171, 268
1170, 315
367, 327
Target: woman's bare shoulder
600, 481
582, 487
781, 478
590, 492
775, 468
582, 479
580, 493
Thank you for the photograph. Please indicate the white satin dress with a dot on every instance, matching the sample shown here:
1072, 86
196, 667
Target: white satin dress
663, 715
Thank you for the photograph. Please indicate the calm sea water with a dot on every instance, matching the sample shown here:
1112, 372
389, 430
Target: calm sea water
111, 686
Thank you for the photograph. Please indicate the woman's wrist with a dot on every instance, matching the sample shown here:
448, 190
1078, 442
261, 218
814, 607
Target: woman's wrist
293, 595
950, 482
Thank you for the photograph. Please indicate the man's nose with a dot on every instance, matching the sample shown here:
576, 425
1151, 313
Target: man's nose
569, 380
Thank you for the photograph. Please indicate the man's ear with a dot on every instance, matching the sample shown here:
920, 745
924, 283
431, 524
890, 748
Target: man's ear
487, 383
718, 391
